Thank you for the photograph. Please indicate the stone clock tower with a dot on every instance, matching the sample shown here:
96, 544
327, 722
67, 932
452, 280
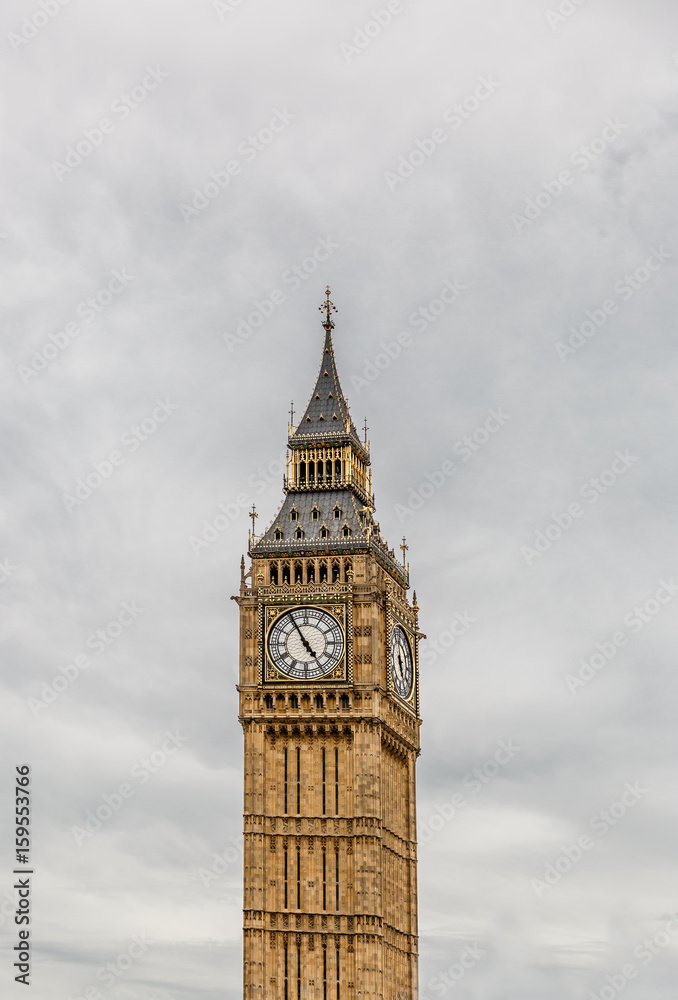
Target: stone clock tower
329, 704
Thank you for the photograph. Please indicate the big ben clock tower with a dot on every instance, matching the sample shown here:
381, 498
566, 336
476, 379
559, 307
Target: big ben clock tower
329, 704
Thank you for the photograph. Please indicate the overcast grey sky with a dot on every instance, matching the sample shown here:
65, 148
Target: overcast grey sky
181, 180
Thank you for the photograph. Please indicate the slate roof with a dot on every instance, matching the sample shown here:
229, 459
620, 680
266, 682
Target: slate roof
327, 416
364, 532
324, 502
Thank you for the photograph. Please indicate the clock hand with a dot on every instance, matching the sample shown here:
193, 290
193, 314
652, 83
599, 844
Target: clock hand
309, 649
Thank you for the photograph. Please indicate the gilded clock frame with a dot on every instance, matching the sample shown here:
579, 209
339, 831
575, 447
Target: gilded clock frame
411, 634
268, 613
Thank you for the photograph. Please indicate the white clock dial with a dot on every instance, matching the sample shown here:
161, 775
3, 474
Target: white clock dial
401, 662
306, 643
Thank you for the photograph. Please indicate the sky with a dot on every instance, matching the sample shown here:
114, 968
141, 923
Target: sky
489, 189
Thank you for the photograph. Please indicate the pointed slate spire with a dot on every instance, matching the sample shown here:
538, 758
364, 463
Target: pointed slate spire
327, 416
328, 502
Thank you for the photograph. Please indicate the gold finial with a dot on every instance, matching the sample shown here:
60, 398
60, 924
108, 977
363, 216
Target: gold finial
253, 514
327, 308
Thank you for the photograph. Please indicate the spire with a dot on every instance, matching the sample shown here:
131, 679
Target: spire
328, 504
327, 416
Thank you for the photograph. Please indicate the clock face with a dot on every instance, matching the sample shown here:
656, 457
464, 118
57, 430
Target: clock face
401, 662
306, 643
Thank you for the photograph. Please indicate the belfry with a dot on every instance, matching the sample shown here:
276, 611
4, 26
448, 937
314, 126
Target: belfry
329, 704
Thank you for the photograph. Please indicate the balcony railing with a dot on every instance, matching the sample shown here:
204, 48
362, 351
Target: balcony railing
344, 545
329, 483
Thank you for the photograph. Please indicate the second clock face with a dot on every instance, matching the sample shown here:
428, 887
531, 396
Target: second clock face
306, 643
401, 662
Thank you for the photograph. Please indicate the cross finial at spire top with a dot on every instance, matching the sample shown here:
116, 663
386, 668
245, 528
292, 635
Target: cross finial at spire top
327, 308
